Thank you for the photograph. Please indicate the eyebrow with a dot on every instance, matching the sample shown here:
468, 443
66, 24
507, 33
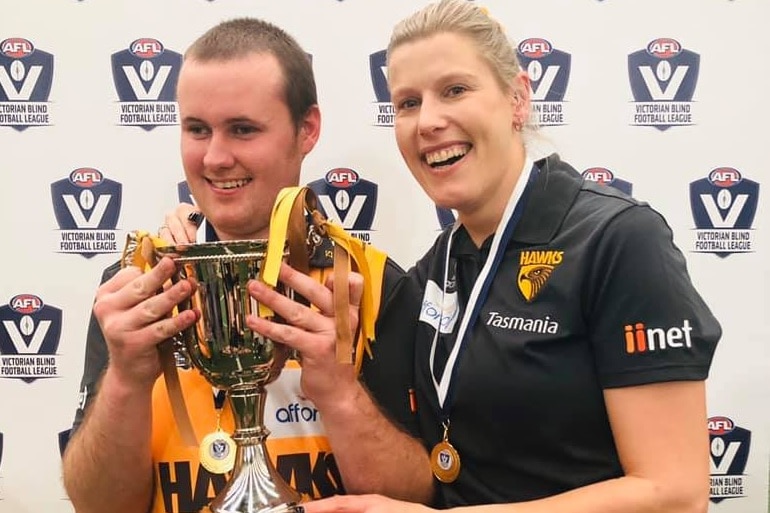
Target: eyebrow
229, 121
454, 76
457, 75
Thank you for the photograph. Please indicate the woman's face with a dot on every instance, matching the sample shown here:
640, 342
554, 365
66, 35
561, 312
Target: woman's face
454, 123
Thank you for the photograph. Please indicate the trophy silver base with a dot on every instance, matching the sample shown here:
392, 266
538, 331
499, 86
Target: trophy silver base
283, 508
255, 485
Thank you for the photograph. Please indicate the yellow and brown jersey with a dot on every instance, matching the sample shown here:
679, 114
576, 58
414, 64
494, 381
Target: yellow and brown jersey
297, 444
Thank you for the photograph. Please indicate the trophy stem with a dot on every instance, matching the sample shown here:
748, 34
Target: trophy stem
255, 486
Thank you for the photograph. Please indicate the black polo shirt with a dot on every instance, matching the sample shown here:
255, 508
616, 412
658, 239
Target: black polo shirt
591, 294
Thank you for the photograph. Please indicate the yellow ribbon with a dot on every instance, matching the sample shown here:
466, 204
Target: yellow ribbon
361, 253
138, 253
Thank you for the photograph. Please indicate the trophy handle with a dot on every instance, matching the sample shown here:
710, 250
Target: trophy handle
181, 340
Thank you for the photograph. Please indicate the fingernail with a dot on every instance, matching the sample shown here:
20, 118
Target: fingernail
195, 218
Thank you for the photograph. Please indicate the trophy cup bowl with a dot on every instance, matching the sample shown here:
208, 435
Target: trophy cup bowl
233, 358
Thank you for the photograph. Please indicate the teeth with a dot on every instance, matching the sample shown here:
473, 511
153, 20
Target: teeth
437, 157
232, 184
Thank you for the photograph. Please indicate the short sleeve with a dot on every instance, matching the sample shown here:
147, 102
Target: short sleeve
646, 321
96, 358
389, 375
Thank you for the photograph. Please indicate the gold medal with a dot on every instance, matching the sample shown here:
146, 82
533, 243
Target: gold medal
445, 462
444, 459
217, 452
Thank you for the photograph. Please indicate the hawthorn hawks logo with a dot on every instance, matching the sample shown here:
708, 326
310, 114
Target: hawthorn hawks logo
535, 268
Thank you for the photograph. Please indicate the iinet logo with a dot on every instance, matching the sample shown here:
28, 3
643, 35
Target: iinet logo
640, 339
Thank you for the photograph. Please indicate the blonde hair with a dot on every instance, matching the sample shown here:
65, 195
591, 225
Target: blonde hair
468, 19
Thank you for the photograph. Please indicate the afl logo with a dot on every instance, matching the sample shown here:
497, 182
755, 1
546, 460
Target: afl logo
725, 177
16, 47
341, 178
719, 426
664, 48
26, 304
86, 177
535, 48
146, 48
599, 174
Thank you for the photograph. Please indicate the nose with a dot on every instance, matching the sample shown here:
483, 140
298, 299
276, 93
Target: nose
431, 116
218, 153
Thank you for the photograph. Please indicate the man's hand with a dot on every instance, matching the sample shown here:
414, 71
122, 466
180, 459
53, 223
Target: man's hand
311, 331
135, 317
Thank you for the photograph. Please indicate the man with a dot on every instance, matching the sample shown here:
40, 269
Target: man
249, 114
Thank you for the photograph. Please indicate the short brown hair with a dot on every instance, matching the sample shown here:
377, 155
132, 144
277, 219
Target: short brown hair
242, 36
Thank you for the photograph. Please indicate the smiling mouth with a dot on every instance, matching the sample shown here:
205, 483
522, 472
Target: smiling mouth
446, 156
229, 184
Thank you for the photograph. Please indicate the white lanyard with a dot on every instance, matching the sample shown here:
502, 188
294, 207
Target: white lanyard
200, 235
483, 281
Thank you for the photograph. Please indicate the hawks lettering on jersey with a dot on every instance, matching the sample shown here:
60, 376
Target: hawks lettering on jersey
312, 474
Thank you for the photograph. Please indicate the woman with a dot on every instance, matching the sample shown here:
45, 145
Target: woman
570, 374
561, 350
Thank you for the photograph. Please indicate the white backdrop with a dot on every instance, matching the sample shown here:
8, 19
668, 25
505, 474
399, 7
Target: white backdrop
78, 181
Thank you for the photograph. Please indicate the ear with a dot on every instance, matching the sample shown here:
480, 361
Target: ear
521, 96
310, 129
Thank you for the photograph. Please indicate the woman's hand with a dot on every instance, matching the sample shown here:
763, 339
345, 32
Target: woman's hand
363, 504
179, 226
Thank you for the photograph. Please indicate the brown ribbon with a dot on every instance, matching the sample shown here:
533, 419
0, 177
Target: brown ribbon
297, 233
344, 336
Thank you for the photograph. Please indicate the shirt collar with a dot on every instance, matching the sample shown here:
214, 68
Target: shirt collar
554, 192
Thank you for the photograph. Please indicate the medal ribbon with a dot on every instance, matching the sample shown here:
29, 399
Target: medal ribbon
219, 399
511, 216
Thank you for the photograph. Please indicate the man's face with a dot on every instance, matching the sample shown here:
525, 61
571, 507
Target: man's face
239, 143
